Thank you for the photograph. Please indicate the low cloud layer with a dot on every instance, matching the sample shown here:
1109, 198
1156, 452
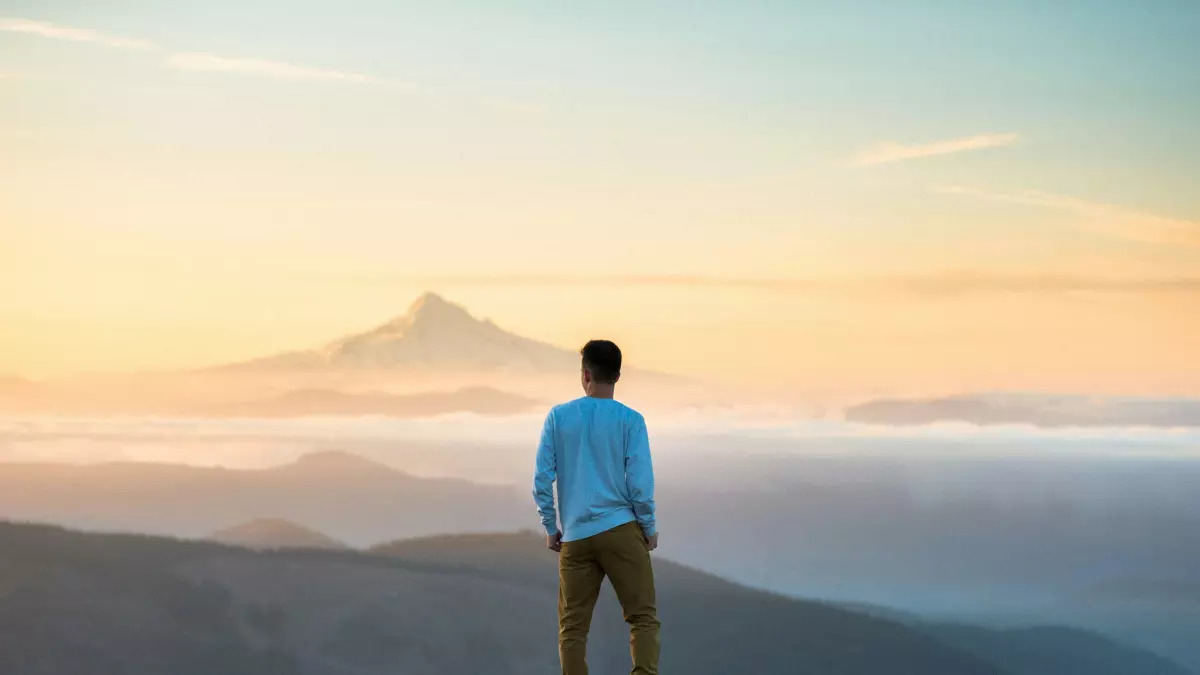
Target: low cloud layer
499, 445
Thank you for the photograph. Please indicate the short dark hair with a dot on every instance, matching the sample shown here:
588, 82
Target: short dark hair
602, 359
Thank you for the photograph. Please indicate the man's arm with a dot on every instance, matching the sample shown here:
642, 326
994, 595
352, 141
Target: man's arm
639, 478
543, 482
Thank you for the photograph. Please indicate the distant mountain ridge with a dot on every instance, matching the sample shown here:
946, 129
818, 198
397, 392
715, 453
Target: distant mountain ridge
274, 533
315, 402
436, 358
1046, 650
355, 499
12, 383
434, 334
17, 393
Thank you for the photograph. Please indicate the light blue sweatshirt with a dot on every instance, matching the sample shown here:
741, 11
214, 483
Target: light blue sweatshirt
598, 452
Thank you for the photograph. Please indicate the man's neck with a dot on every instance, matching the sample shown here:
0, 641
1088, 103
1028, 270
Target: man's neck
597, 390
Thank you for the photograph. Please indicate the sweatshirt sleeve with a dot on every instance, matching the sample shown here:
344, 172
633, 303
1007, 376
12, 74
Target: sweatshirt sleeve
639, 476
544, 477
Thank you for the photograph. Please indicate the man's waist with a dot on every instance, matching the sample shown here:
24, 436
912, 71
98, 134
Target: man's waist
593, 524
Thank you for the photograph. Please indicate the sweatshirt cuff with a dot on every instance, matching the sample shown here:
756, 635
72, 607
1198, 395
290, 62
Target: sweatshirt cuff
551, 530
650, 530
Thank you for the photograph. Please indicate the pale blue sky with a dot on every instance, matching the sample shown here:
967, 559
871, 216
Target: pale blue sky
501, 139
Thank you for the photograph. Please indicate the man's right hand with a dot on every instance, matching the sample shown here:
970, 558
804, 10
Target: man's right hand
652, 541
554, 542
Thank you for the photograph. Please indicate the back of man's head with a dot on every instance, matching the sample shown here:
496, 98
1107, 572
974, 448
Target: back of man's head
602, 360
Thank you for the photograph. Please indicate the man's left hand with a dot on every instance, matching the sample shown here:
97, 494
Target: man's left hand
554, 542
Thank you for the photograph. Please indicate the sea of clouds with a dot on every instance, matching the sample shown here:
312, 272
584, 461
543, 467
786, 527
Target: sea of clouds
258, 443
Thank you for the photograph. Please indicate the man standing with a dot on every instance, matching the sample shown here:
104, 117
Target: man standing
598, 452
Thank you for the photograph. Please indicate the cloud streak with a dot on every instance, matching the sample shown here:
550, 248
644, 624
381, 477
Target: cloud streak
1095, 217
56, 32
181, 60
205, 62
934, 284
889, 152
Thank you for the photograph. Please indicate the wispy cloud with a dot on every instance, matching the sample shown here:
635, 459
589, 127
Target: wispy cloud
933, 284
190, 61
886, 153
205, 62
57, 32
1100, 218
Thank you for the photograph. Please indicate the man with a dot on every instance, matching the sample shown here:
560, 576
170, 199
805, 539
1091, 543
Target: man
599, 453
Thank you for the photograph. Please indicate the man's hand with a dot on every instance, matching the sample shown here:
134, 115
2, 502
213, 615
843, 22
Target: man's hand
554, 542
652, 542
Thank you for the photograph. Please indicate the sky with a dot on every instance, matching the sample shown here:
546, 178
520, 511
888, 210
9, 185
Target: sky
891, 196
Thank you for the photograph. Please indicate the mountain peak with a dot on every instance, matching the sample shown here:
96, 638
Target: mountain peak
433, 308
434, 334
274, 533
430, 301
337, 460
15, 383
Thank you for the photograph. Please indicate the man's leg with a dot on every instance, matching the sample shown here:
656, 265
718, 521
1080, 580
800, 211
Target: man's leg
579, 581
624, 557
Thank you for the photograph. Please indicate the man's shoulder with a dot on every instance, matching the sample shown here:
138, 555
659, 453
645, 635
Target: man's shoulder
632, 415
562, 411
621, 409
565, 406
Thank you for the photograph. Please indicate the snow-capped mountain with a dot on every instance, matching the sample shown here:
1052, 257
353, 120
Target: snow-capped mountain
434, 335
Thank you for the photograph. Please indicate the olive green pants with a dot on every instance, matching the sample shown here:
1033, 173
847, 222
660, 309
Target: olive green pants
620, 554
